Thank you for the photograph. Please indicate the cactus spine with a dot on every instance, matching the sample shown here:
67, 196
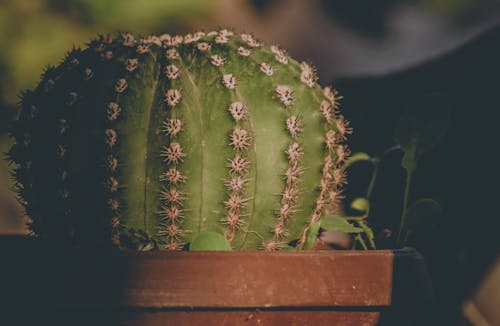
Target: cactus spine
149, 141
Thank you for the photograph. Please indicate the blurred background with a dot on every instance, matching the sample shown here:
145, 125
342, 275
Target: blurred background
382, 56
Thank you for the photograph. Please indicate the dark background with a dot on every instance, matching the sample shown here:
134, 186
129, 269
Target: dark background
382, 56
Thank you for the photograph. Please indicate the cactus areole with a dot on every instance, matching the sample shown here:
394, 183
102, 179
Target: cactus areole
147, 142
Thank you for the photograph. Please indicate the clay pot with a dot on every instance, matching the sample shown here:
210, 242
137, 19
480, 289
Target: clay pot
48, 285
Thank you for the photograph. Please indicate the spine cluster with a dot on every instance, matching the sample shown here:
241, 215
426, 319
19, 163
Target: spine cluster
113, 114
171, 196
333, 176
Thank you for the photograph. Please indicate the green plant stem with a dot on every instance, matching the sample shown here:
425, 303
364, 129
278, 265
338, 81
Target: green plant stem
362, 242
371, 186
402, 226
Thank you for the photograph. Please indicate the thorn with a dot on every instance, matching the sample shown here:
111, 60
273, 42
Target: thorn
142, 49
221, 39
131, 64
63, 126
173, 153
110, 137
72, 98
127, 39
173, 176
232, 220
188, 38
327, 111
250, 40
121, 85
113, 204
279, 230
108, 55
234, 203
172, 72
243, 51
293, 174
111, 163
173, 246
61, 151
49, 85
226, 32
279, 55
294, 152
238, 111
174, 40
273, 245
236, 184
240, 139
266, 69
294, 126
173, 97
343, 127
217, 60
115, 222
172, 195
331, 139
172, 127
113, 111
172, 54
171, 212
331, 95
229, 81
285, 94
88, 74
238, 165
203, 46
112, 184
343, 154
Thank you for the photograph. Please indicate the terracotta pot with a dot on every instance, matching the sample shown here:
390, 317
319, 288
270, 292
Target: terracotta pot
73, 286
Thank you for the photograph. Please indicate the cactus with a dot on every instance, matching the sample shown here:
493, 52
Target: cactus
146, 142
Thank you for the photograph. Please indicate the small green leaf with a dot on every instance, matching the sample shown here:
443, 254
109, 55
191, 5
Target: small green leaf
312, 235
338, 223
356, 157
361, 204
207, 240
423, 215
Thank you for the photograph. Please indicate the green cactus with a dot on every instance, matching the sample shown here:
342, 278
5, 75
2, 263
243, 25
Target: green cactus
147, 142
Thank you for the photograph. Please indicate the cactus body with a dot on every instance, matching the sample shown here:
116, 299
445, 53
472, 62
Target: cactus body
153, 140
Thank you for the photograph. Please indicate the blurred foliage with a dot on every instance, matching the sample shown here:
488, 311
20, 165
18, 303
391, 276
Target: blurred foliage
34, 33
371, 18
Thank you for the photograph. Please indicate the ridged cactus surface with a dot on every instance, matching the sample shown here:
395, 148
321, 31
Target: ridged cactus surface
147, 142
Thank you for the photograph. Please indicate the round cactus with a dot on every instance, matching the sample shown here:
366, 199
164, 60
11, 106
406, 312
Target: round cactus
147, 142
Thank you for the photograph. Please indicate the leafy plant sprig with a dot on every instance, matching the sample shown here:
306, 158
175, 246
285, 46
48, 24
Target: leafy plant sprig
420, 129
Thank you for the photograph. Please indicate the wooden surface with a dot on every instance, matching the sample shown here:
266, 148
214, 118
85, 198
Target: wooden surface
352, 287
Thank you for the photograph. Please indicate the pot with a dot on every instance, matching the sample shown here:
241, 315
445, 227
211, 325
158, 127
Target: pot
45, 284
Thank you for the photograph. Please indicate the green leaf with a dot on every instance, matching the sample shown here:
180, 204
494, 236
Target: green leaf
207, 240
423, 215
312, 235
338, 223
423, 124
361, 204
356, 157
